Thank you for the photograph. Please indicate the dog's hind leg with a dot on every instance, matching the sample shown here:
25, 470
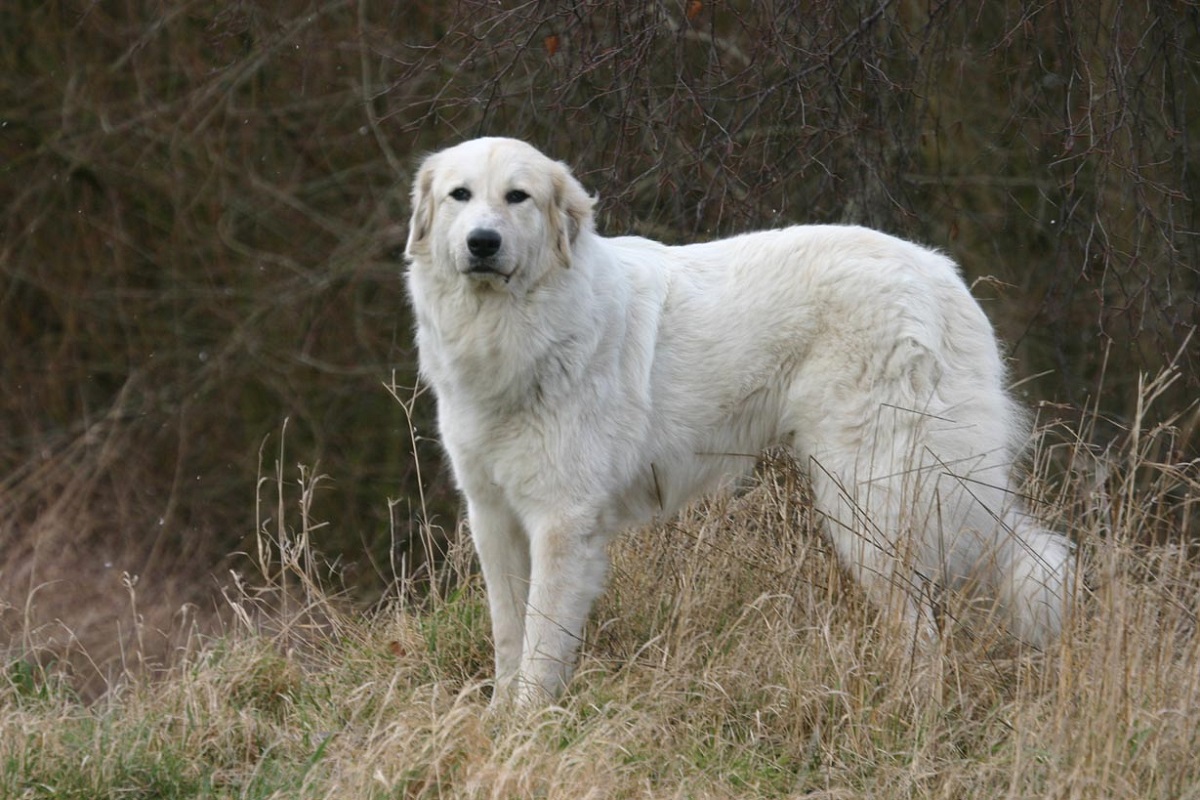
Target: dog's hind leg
862, 528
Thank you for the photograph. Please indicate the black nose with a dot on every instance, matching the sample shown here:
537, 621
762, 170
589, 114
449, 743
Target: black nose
483, 242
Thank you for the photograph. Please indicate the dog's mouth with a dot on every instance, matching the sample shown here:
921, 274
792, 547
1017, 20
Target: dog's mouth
486, 268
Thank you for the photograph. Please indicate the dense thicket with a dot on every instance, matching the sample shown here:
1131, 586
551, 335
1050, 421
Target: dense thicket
203, 206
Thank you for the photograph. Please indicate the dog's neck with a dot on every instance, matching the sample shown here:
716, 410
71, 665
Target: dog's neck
485, 340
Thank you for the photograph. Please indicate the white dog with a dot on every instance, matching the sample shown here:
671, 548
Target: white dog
588, 384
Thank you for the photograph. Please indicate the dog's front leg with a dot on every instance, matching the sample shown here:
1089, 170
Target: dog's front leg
569, 563
503, 550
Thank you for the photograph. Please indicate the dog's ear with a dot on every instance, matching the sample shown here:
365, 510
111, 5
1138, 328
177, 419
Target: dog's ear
570, 212
422, 211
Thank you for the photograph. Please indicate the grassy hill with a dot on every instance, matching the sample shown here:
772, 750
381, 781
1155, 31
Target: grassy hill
729, 658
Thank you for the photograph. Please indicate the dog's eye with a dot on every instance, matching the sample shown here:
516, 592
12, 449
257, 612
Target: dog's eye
516, 196
461, 194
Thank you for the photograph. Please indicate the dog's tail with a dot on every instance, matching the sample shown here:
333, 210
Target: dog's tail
1035, 577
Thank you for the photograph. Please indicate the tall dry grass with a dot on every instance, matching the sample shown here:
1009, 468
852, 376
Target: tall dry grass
729, 658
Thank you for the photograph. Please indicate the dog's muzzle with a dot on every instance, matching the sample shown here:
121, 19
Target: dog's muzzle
483, 244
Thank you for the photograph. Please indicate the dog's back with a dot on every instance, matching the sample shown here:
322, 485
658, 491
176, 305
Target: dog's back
868, 357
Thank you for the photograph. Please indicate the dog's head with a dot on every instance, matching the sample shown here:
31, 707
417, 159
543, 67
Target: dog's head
496, 210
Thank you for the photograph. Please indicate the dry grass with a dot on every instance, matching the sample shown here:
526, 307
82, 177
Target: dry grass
729, 658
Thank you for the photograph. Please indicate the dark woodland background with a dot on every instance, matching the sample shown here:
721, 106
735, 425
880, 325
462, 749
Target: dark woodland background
204, 206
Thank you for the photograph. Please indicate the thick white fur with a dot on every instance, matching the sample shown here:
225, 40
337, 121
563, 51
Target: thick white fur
588, 384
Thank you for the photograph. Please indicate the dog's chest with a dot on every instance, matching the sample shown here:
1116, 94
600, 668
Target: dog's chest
510, 449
